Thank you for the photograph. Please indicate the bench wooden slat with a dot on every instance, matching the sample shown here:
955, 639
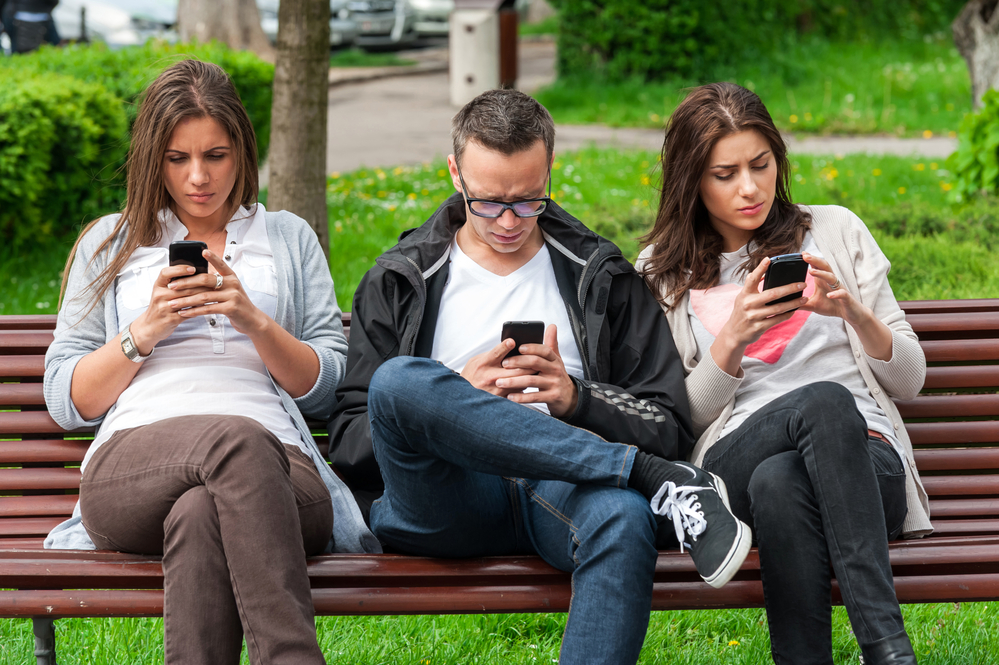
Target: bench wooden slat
961, 485
21, 394
960, 350
957, 460
964, 507
967, 376
948, 322
956, 433
950, 406
39, 479
24, 341
964, 527
28, 322
20, 366
32, 451
55, 505
949, 306
28, 526
31, 422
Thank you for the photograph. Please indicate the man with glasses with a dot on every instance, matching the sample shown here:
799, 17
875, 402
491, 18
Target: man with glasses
431, 429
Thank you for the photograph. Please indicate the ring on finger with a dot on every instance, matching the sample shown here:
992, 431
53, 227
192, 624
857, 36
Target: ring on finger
218, 282
835, 286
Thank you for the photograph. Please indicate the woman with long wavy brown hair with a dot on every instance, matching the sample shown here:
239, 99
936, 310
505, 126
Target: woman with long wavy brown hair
791, 401
199, 383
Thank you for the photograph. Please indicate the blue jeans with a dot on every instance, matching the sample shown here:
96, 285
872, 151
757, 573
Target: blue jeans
818, 493
468, 474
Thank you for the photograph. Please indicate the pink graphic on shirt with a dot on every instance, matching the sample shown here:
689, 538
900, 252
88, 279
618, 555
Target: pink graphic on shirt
713, 308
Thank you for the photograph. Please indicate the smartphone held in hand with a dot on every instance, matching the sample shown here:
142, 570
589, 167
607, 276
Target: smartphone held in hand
523, 332
188, 253
785, 269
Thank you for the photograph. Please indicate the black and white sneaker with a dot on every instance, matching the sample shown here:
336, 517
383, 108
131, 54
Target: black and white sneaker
719, 542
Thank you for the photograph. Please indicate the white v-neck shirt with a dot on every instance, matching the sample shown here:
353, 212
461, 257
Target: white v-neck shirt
476, 302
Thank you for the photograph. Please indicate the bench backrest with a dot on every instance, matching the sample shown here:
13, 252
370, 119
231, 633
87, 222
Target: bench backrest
953, 424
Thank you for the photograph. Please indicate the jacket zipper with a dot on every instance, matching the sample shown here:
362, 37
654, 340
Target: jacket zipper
419, 318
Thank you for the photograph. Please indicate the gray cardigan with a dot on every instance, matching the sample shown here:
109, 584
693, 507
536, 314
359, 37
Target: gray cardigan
306, 308
849, 247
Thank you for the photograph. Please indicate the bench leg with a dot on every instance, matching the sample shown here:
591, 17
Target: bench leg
44, 629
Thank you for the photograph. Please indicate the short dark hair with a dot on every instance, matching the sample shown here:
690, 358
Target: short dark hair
507, 121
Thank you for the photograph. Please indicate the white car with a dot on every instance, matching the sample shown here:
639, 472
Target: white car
383, 23
433, 16
117, 22
343, 29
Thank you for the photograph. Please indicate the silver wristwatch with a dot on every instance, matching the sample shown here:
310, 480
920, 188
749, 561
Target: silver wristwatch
128, 346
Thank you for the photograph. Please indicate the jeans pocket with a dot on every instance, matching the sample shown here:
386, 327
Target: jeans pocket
891, 482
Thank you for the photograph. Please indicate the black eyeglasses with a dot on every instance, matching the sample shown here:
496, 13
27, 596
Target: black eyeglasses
493, 209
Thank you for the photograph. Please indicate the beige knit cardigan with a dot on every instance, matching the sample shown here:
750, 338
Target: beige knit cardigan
847, 244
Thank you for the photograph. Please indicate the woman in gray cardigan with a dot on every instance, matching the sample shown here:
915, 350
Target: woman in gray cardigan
791, 400
200, 381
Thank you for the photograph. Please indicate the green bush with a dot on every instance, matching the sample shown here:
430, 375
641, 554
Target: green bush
653, 38
126, 72
61, 141
976, 161
64, 138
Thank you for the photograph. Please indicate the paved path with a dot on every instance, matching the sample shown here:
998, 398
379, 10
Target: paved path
396, 116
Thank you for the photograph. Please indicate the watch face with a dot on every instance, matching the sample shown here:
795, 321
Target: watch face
127, 345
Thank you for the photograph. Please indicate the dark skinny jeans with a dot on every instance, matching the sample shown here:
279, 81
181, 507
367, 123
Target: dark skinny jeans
818, 492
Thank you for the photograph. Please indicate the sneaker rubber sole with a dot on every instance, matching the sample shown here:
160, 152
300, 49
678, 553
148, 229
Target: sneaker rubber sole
740, 547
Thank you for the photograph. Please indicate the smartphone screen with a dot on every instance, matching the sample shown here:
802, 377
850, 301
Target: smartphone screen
785, 269
523, 332
188, 253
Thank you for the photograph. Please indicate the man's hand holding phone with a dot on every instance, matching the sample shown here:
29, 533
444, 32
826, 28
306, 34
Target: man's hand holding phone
542, 368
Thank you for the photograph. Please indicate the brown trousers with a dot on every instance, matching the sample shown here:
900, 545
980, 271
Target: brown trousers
234, 513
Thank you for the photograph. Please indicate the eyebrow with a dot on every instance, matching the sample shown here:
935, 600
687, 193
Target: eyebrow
732, 166
218, 147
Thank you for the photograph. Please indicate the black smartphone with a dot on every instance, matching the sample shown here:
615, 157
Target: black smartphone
523, 332
188, 253
785, 269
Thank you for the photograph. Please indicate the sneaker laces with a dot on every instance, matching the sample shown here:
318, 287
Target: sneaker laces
679, 503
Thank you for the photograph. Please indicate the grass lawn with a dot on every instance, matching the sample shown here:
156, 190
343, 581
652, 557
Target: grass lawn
942, 634
937, 251
355, 57
813, 86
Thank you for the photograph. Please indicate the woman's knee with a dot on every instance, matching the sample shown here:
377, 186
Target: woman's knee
246, 437
780, 488
192, 522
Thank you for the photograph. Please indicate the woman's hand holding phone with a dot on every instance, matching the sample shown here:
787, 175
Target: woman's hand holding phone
751, 317
832, 299
197, 296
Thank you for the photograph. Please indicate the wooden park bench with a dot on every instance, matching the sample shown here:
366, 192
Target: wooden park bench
954, 426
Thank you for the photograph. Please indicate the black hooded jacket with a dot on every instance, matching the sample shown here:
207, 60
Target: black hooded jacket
633, 390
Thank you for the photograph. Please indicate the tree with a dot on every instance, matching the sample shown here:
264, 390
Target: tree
298, 115
976, 34
234, 22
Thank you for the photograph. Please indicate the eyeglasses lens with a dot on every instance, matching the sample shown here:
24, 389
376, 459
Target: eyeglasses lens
520, 209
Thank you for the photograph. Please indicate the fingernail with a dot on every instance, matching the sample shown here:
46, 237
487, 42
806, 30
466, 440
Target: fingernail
500, 383
190, 269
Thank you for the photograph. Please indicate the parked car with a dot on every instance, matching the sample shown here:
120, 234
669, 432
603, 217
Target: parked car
432, 17
343, 29
383, 23
117, 22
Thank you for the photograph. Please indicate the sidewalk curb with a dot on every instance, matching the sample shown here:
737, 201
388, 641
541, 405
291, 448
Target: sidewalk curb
343, 75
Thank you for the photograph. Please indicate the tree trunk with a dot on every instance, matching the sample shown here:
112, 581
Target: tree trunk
976, 35
233, 22
298, 117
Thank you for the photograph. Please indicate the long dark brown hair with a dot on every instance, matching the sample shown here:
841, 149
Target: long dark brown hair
188, 89
686, 248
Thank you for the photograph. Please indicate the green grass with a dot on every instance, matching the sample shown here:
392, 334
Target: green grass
355, 57
547, 26
889, 87
942, 634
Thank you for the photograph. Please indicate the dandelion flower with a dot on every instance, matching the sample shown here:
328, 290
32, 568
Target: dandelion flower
927, 134
933, 166
733, 643
876, 172
919, 167
946, 186
901, 190
794, 118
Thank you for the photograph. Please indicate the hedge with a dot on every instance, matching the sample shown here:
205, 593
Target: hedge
976, 161
61, 141
65, 116
655, 38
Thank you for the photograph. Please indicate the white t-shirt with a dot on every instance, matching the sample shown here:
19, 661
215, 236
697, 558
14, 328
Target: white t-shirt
806, 348
476, 303
205, 366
